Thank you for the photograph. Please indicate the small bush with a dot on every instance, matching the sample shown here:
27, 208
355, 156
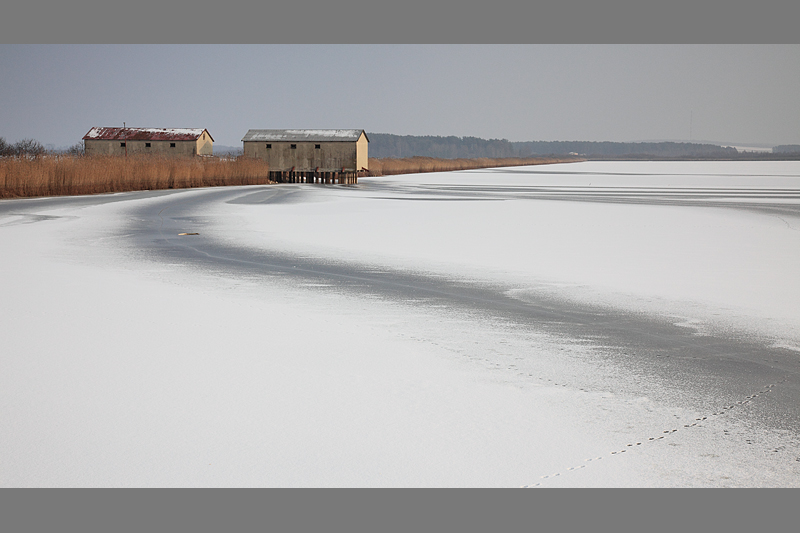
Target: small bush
76, 150
5, 148
28, 148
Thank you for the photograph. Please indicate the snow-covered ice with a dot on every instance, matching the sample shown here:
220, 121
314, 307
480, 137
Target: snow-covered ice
128, 361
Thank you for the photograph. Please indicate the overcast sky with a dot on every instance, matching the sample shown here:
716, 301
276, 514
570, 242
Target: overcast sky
745, 94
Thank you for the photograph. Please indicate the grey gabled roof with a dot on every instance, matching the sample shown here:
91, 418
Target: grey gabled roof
304, 135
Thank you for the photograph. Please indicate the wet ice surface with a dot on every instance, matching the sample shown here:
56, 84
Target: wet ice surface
599, 324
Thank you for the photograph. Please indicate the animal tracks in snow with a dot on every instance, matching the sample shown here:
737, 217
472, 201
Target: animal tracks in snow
667, 432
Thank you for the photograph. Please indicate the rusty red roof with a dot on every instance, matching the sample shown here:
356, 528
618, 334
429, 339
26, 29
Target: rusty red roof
145, 134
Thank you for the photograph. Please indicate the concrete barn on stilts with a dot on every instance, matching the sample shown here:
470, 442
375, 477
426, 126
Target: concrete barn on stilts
310, 156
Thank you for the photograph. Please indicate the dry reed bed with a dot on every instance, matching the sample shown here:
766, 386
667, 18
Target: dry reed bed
68, 175
414, 165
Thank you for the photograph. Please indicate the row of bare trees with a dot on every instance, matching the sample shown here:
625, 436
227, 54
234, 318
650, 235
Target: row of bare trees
25, 147
32, 148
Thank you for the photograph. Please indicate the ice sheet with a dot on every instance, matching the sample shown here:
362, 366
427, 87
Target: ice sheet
118, 370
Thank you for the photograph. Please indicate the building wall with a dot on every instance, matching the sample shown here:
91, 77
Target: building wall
363, 154
95, 147
329, 157
205, 146
182, 148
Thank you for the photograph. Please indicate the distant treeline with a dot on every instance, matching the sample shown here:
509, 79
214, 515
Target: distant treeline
786, 149
618, 149
384, 145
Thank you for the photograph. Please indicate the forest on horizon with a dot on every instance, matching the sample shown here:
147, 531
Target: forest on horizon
383, 145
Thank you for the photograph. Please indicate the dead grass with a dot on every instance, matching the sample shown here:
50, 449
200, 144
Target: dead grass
65, 175
68, 175
414, 165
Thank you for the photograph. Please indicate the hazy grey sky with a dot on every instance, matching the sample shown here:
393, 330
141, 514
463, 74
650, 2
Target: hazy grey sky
726, 93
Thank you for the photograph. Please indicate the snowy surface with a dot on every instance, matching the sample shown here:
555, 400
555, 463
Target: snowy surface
118, 368
740, 266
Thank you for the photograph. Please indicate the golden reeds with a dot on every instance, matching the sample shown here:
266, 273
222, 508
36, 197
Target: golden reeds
69, 175
62, 175
414, 165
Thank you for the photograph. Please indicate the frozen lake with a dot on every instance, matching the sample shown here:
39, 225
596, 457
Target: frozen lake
585, 324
